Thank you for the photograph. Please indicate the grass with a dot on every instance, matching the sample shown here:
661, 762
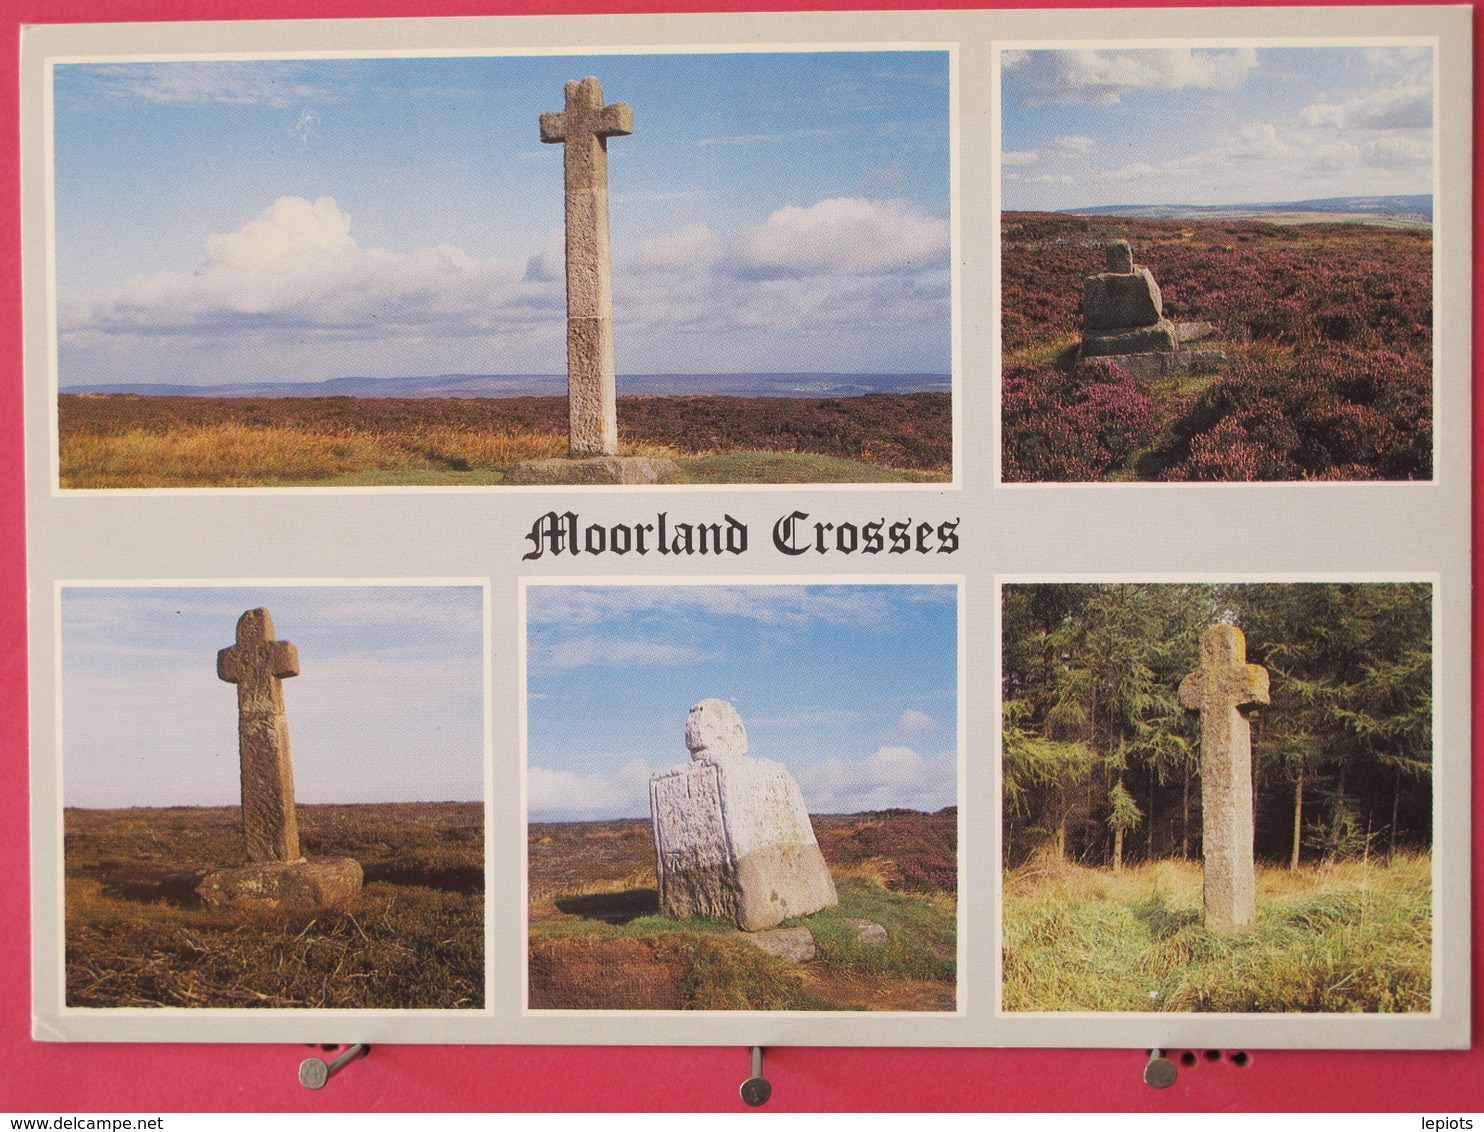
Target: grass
414, 939
597, 941
1356, 938
129, 441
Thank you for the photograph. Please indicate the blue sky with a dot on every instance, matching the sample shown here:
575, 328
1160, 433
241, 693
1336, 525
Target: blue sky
388, 705
853, 687
303, 219
1214, 125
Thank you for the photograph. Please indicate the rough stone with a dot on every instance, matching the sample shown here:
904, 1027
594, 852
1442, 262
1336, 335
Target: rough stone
276, 872
583, 127
794, 945
1163, 364
1223, 690
732, 834
1122, 311
1194, 331
258, 664
328, 883
867, 931
594, 470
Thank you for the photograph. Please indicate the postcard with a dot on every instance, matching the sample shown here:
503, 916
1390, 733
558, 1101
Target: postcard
878, 528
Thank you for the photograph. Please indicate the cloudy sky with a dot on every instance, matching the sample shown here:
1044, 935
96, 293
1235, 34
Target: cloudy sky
298, 220
1214, 125
388, 705
852, 687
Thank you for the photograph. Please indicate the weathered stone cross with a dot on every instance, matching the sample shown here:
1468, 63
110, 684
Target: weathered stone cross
585, 126
1223, 689
258, 664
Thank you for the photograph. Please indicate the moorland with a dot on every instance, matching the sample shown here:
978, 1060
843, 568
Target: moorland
414, 939
123, 440
1327, 327
597, 940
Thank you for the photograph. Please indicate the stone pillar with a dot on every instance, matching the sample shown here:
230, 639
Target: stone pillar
1223, 690
584, 127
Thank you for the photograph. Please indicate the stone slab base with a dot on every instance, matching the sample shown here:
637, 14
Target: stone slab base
1131, 340
1194, 331
595, 470
795, 945
1144, 367
779, 881
328, 882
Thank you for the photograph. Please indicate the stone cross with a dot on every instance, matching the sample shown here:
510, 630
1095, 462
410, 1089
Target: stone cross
258, 664
1223, 689
585, 127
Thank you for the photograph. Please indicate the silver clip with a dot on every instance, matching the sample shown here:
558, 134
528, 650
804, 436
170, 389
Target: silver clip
313, 1073
756, 1090
1159, 1071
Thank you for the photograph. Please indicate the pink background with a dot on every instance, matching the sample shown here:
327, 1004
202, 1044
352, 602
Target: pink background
47, 1077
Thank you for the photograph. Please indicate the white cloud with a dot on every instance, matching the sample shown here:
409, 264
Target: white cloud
562, 795
296, 270
1076, 143
1333, 157
893, 776
913, 722
1407, 105
1257, 141
690, 247
1105, 76
1019, 157
849, 235
1396, 152
610, 652
267, 83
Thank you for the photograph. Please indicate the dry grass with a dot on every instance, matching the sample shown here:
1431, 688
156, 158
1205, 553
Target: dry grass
1353, 938
413, 939
133, 441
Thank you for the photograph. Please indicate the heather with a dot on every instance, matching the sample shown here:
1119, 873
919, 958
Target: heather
1328, 328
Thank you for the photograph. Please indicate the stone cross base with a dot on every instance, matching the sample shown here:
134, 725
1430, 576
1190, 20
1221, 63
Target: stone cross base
595, 470
328, 882
733, 842
1145, 367
1161, 336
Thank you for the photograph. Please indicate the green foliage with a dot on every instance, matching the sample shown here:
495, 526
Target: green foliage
1093, 723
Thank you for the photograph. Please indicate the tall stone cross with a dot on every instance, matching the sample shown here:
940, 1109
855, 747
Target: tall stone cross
258, 664
585, 126
1223, 689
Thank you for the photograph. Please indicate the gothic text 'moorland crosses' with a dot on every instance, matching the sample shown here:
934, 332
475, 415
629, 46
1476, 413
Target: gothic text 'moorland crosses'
585, 127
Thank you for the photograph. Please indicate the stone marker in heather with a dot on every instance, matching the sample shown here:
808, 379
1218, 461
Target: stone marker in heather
1123, 319
1223, 690
732, 837
1122, 312
276, 871
583, 127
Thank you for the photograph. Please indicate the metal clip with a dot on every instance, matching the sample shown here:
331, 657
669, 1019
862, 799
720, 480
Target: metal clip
313, 1073
756, 1090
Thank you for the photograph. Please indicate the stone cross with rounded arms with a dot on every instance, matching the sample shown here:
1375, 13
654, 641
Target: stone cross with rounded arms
585, 127
1223, 690
258, 664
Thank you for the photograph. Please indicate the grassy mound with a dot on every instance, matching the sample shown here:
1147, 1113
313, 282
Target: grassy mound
1354, 938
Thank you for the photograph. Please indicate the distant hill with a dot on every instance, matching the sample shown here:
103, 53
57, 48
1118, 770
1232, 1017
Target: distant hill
1400, 211
551, 385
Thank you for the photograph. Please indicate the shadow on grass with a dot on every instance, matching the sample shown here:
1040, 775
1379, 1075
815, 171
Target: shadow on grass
454, 878
613, 907
1160, 920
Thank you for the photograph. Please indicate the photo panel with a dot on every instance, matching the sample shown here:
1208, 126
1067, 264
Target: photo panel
1217, 261
1218, 798
210, 865
743, 796
359, 272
